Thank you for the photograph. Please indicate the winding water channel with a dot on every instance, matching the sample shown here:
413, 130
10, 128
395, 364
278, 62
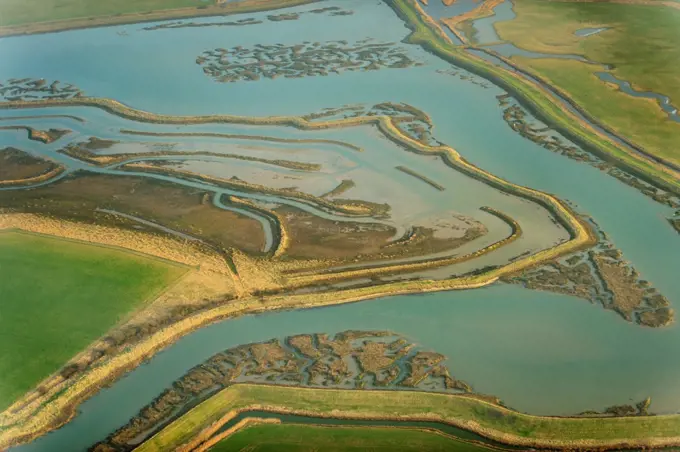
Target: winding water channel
539, 352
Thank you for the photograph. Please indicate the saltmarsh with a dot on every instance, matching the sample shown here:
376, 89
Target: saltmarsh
57, 296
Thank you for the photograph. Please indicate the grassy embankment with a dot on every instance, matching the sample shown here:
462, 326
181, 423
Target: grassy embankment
643, 45
58, 296
275, 437
38, 16
492, 421
538, 100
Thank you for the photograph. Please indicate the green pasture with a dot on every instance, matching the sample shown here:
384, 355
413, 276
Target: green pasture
57, 296
309, 438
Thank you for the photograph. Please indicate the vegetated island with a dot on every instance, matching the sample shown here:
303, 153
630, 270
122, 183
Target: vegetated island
601, 275
635, 39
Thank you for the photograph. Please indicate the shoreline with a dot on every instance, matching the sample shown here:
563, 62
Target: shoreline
535, 98
80, 23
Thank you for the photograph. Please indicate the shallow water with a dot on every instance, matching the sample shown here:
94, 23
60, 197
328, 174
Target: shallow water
663, 101
585, 32
539, 352
546, 353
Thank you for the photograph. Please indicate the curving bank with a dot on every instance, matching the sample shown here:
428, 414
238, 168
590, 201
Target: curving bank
471, 413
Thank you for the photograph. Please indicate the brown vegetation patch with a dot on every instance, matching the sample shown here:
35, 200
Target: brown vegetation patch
312, 237
176, 207
301, 60
371, 357
622, 282
304, 343
601, 275
20, 168
422, 365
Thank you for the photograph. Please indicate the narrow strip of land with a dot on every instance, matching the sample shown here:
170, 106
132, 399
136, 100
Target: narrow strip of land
474, 414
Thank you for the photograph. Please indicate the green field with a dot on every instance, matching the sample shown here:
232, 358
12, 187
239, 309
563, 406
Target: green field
497, 422
20, 12
58, 296
642, 43
309, 438
640, 120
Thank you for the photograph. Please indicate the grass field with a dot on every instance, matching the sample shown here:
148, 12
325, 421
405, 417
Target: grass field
641, 120
19, 12
58, 296
490, 420
309, 438
642, 43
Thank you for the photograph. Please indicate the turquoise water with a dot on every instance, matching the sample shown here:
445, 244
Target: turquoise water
412, 202
541, 353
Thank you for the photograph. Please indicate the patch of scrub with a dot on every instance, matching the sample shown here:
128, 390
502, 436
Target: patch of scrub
347, 360
58, 296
